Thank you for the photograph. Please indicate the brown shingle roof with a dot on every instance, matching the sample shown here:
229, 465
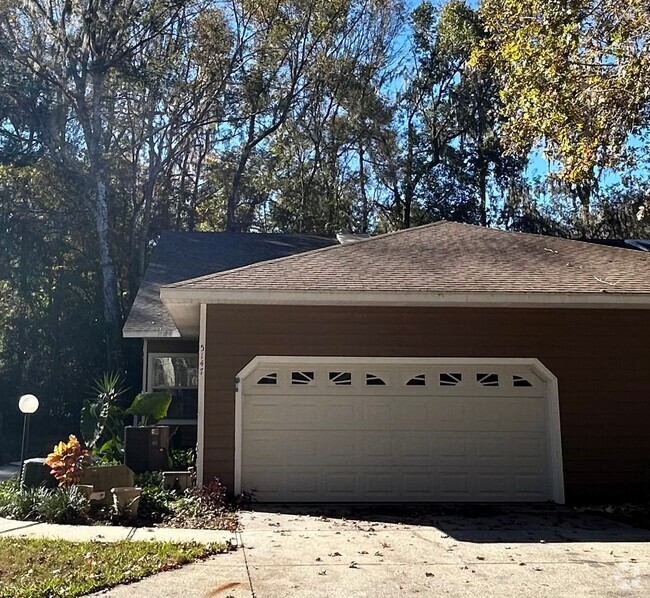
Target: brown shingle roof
447, 257
182, 255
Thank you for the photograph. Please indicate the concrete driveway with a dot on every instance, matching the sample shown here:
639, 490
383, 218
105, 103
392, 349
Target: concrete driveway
438, 551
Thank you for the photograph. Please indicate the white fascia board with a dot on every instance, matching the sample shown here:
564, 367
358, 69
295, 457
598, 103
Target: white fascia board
148, 333
174, 296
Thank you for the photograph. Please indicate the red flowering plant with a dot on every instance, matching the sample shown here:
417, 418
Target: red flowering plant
66, 460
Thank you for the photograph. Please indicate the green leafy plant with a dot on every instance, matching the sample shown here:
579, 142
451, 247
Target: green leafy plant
14, 502
150, 406
66, 460
102, 420
60, 505
181, 459
50, 505
156, 504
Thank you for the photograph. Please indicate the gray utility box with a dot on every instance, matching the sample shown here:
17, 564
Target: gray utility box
37, 473
146, 448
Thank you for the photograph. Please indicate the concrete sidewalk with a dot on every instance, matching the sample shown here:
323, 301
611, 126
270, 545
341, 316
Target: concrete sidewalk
516, 553
8, 471
107, 533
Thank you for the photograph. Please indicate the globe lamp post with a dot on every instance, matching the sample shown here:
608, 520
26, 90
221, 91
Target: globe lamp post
27, 404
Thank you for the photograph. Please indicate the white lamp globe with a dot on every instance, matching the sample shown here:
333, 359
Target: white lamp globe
28, 404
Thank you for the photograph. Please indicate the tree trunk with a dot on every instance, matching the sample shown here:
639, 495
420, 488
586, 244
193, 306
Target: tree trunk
235, 191
233, 197
584, 197
408, 182
365, 209
112, 312
482, 190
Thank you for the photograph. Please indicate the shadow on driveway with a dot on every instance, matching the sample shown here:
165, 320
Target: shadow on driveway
480, 523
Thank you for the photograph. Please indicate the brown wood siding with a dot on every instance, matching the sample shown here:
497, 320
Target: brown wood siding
600, 357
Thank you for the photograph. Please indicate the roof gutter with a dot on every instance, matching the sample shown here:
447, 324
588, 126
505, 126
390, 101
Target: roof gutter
606, 300
149, 333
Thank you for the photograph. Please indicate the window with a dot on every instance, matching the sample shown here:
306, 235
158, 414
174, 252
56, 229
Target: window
374, 380
518, 381
341, 378
419, 380
449, 379
306, 378
177, 373
269, 379
488, 379
174, 371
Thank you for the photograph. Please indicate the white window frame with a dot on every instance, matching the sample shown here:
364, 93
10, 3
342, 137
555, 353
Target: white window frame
150, 387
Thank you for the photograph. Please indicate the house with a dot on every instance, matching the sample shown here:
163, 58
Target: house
169, 359
442, 363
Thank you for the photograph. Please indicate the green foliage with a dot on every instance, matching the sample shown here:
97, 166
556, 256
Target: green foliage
60, 505
152, 407
574, 77
50, 330
181, 459
148, 478
156, 504
102, 420
49, 505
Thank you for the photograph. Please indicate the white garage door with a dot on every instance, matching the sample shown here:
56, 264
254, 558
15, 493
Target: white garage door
341, 429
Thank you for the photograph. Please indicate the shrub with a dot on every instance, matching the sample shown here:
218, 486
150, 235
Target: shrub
155, 503
14, 502
181, 459
102, 419
50, 505
60, 505
148, 478
204, 507
66, 460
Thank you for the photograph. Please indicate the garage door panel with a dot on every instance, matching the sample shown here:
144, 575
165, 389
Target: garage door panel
326, 442
265, 412
531, 485
413, 414
492, 486
508, 413
263, 448
334, 484
451, 446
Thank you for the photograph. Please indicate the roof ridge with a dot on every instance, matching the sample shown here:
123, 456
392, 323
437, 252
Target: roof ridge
346, 246
587, 242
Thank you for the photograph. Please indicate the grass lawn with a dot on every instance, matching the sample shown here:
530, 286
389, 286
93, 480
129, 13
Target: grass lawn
37, 568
